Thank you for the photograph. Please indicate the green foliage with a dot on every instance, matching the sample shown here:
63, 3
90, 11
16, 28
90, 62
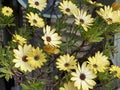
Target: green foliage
33, 85
6, 57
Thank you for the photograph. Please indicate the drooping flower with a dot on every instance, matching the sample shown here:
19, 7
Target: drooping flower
83, 77
108, 15
38, 4
21, 58
115, 70
50, 37
35, 20
19, 39
98, 63
83, 19
116, 5
94, 3
51, 49
67, 7
66, 62
7, 11
36, 58
68, 86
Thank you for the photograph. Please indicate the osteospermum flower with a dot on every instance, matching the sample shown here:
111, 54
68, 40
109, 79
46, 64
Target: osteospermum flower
50, 37
108, 15
21, 58
19, 39
68, 86
7, 11
35, 20
115, 70
98, 63
51, 49
67, 7
83, 77
83, 19
94, 3
38, 4
66, 62
36, 58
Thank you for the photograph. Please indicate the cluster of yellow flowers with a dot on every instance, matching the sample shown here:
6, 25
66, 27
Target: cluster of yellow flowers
28, 58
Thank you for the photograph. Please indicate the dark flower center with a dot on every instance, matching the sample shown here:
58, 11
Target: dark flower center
7, 11
24, 58
66, 64
109, 19
37, 3
82, 76
36, 57
67, 10
48, 38
81, 21
95, 65
34, 21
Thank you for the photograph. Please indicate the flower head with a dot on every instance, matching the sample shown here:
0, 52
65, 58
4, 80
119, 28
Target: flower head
83, 19
66, 62
116, 5
68, 86
109, 15
67, 7
83, 77
21, 58
19, 39
98, 63
50, 37
38, 4
36, 58
35, 20
51, 49
7, 11
115, 70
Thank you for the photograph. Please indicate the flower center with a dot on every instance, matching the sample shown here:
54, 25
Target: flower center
81, 21
24, 58
82, 76
109, 19
37, 3
48, 38
34, 21
66, 64
95, 65
7, 11
67, 10
36, 57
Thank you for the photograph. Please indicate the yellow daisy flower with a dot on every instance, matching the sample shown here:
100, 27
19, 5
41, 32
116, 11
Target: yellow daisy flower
115, 70
51, 49
108, 14
21, 58
98, 63
38, 4
35, 20
94, 3
36, 58
81, 18
50, 37
7, 11
68, 86
67, 7
66, 62
83, 77
19, 39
